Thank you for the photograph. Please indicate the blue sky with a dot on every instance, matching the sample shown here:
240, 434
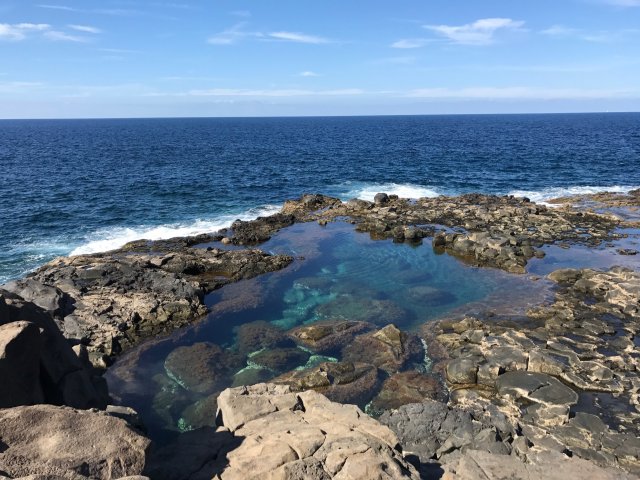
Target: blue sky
139, 58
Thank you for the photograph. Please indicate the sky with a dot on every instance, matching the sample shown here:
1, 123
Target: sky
157, 58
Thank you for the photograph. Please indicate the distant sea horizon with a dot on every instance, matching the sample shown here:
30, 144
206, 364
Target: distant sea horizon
72, 186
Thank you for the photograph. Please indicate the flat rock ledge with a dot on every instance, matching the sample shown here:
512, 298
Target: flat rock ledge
271, 432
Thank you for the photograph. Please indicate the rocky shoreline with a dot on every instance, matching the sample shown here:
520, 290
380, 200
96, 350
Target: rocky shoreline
557, 391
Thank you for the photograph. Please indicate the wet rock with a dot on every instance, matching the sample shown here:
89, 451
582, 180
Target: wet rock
200, 414
389, 349
280, 359
259, 230
201, 367
378, 312
255, 336
251, 376
329, 335
381, 199
60, 442
404, 388
343, 382
119, 298
304, 435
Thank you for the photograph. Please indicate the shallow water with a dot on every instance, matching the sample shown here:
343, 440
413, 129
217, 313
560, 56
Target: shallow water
338, 273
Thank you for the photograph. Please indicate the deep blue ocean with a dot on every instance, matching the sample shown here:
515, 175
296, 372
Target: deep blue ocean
79, 186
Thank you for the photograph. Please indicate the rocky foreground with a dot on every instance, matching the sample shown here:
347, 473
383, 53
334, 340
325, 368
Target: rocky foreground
554, 395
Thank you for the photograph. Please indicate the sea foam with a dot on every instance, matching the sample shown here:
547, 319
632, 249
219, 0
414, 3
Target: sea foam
113, 238
546, 194
367, 191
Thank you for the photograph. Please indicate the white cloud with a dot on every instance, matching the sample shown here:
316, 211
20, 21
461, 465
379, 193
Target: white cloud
85, 29
236, 92
411, 43
232, 35
603, 36
59, 7
19, 31
63, 37
298, 37
308, 73
520, 93
480, 32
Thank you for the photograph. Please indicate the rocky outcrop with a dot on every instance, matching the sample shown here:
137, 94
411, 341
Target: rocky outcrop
38, 365
480, 465
304, 435
113, 300
44, 441
566, 379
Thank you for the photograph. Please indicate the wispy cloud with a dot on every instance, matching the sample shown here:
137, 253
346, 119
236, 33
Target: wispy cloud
239, 32
411, 43
241, 13
58, 7
298, 37
602, 36
232, 35
234, 92
19, 87
481, 32
521, 93
308, 73
58, 36
20, 31
85, 29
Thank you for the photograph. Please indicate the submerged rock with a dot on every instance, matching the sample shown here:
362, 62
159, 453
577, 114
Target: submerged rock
201, 367
280, 359
389, 349
255, 336
328, 336
404, 388
362, 309
343, 382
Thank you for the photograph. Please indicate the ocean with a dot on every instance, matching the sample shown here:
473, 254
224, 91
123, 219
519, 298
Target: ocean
82, 186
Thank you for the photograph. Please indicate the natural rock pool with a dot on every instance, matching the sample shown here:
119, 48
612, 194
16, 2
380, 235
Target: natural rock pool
341, 318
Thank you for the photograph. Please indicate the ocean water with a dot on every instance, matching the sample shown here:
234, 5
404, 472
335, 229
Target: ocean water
80, 186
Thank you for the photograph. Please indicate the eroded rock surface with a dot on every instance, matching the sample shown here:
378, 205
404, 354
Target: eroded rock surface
59, 442
304, 435
111, 301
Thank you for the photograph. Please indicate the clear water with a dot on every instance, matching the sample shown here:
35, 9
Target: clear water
91, 185
344, 274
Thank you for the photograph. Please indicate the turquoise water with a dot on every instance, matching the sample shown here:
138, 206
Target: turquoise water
338, 274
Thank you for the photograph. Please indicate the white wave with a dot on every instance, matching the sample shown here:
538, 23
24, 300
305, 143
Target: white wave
546, 194
112, 238
404, 190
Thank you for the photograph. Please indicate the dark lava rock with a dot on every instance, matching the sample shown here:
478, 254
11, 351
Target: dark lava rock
431, 430
255, 336
389, 349
329, 335
201, 367
280, 359
343, 382
404, 388
381, 199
